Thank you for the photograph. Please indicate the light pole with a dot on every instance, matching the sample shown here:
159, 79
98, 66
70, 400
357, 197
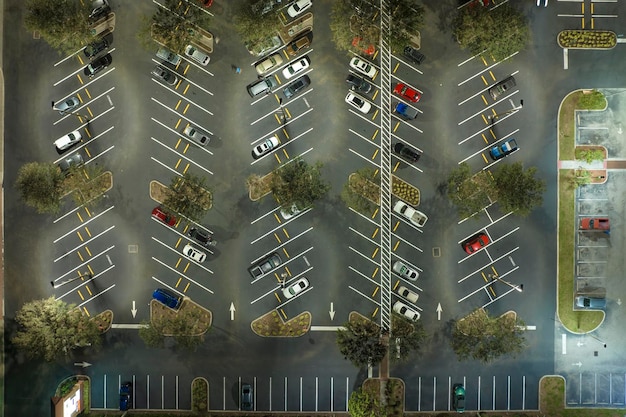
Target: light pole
69, 112
592, 336
67, 281
282, 109
513, 110
518, 288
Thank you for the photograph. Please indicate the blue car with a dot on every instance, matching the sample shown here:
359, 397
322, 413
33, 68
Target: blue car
167, 297
500, 151
126, 396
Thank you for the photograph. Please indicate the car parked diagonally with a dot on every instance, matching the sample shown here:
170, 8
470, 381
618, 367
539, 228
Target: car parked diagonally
296, 288
167, 298
358, 84
66, 164
408, 294
406, 152
193, 253
197, 55
198, 136
407, 92
269, 64
363, 67
502, 150
265, 265
501, 87
406, 311
201, 237
164, 74
265, 147
68, 141
163, 216
168, 56
298, 7
67, 105
98, 65
476, 243
302, 42
296, 86
296, 67
358, 102
405, 271
95, 47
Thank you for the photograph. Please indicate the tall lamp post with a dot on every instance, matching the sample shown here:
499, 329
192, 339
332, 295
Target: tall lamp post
513, 110
67, 281
282, 110
69, 112
518, 288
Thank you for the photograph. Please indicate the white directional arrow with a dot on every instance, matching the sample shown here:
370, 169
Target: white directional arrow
232, 311
332, 311
439, 310
133, 310
579, 344
579, 364
82, 364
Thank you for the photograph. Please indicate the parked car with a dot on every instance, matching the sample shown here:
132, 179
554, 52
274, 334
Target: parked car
296, 288
405, 111
200, 236
193, 253
168, 56
363, 67
98, 65
591, 303
297, 86
501, 87
100, 9
126, 396
95, 48
262, 86
303, 42
408, 294
265, 265
476, 243
167, 297
358, 102
163, 216
197, 55
293, 211
595, 223
296, 67
406, 311
199, 136
506, 148
458, 398
67, 105
206, 3
405, 271
268, 64
298, 7
416, 217
407, 92
413, 55
67, 163
359, 84
67, 141
407, 153
265, 147
164, 75
247, 397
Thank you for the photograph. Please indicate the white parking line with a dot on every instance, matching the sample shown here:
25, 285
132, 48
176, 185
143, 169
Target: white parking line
364, 256
183, 98
486, 247
372, 241
282, 145
394, 136
364, 296
180, 274
376, 283
364, 217
486, 69
408, 65
80, 266
83, 283
406, 123
180, 135
273, 112
183, 78
177, 252
99, 155
82, 224
360, 115
265, 215
489, 146
181, 116
486, 108
83, 104
289, 260
491, 263
83, 243
271, 291
407, 242
364, 158
407, 222
278, 227
87, 142
79, 70
181, 155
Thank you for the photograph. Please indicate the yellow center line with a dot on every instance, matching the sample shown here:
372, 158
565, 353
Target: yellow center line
277, 237
375, 313
80, 236
80, 294
396, 246
80, 218
375, 232
375, 252
285, 232
375, 292
375, 272
186, 287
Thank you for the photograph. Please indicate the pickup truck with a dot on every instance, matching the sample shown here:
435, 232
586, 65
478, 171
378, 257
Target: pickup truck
414, 216
405, 111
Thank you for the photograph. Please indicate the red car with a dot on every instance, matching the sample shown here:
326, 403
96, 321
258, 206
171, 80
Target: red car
407, 92
162, 216
476, 243
598, 223
206, 3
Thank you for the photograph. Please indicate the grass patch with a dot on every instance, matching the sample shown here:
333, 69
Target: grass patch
566, 126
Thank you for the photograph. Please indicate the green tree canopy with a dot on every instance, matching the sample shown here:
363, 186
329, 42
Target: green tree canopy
256, 28
469, 193
174, 24
498, 32
479, 336
40, 186
185, 327
50, 328
363, 404
406, 20
62, 24
189, 196
360, 342
406, 337
298, 183
518, 189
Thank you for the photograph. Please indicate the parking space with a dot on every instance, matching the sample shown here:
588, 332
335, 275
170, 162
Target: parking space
594, 14
592, 389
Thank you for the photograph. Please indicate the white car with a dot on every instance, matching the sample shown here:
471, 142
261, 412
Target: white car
268, 64
194, 253
296, 288
197, 135
406, 311
68, 141
363, 67
416, 217
358, 102
299, 7
265, 147
288, 214
405, 271
296, 67
408, 294
545, 3
197, 55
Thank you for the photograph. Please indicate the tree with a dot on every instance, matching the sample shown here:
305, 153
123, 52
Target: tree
189, 196
518, 190
49, 328
361, 343
363, 404
485, 338
406, 18
497, 32
362, 190
40, 186
86, 184
256, 28
406, 337
340, 24
182, 326
470, 193
174, 24
298, 183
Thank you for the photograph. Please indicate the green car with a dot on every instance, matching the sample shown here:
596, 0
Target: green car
458, 398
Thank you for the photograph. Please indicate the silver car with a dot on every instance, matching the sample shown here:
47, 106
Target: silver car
197, 135
168, 56
405, 271
197, 55
165, 75
67, 105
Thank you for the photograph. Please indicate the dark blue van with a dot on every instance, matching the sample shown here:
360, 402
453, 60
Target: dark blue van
167, 297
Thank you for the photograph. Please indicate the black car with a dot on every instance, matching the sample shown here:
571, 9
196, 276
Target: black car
265, 265
406, 152
101, 10
502, 87
201, 237
297, 86
414, 55
95, 48
247, 397
98, 65
358, 84
165, 75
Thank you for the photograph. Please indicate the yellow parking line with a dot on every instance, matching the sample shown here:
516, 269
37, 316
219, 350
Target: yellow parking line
88, 290
592, 25
277, 297
87, 92
186, 108
375, 313
286, 133
484, 158
396, 246
80, 256
395, 168
375, 252
80, 236
87, 211
186, 147
286, 233
178, 123
582, 20
277, 117
396, 126
375, 272
80, 294
285, 252
375, 153
80, 60
88, 251
185, 71
493, 77
484, 99
375, 212
374, 115
375, 232
484, 119
396, 226
283, 311
484, 80
178, 104
285, 153
484, 61
494, 270
186, 168
493, 134
178, 263
178, 84
80, 79
484, 138
277, 237
277, 158
86, 311
87, 230
88, 132
186, 267
375, 292
288, 271
90, 270
79, 217
180, 239
180, 279
277, 218
375, 95
178, 163
396, 285
186, 287
186, 89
